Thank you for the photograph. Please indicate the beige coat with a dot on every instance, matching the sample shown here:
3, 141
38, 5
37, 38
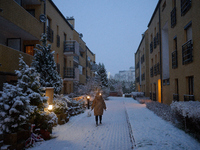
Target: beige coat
98, 105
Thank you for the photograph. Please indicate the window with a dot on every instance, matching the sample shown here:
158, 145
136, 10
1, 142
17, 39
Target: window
191, 85
31, 11
176, 86
29, 49
174, 55
164, 5
173, 3
80, 69
14, 43
185, 6
49, 30
187, 48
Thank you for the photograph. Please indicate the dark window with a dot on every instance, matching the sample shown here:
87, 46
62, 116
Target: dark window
185, 6
191, 85
31, 11
151, 47
58, 41
173, 17
187, 55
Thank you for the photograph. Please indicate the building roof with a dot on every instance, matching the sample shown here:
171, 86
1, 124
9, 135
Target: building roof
61, 14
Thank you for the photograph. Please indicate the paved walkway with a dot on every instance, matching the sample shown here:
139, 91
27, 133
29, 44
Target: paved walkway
126, 123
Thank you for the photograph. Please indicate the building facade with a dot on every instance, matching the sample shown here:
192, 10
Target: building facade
142, 65
21, 26
173, 46
126, 75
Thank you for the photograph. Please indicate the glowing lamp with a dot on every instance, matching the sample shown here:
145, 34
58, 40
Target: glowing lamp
50, 107
100, 94
88, 97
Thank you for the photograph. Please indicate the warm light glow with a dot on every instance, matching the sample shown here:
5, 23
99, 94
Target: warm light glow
159, 90
100, 94
50, 107
88, 97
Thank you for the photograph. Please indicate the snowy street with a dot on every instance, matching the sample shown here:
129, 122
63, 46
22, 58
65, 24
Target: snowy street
149, 131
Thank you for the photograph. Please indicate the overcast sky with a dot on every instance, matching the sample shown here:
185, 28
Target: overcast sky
112, 29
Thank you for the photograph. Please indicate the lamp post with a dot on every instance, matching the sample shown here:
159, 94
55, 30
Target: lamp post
88, 101
49, 94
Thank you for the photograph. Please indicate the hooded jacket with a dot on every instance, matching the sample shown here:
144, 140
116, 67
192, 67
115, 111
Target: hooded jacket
98, 105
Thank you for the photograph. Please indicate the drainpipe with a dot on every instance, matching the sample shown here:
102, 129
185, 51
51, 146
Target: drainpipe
160, 54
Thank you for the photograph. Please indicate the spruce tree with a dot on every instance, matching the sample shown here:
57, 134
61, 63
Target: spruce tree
102, 75
45, 65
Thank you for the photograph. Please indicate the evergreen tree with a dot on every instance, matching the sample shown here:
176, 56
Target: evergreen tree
46, 66
102, 75
29, 81
14, 108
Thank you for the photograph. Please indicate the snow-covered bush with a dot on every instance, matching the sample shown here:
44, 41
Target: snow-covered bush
59, 106
14, 108
137, 94
187, 114
45, 65
45, 120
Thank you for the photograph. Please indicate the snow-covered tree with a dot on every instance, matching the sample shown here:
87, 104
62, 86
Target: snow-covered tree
46, 66
14, 108
29, 81
102, 75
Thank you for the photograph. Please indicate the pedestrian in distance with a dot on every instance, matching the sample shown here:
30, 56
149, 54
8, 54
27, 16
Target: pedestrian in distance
99, 106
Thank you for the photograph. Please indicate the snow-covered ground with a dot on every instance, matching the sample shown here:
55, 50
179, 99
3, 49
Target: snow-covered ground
149, 131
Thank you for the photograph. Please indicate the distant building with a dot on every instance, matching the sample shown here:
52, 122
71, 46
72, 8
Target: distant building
126, 75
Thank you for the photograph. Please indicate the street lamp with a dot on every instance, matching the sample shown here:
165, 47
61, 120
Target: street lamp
88, 101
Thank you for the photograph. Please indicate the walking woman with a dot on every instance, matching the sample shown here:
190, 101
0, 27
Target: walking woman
98, 105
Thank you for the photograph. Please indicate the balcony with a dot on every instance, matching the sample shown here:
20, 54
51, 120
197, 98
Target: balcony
174, 59
154, 96
143, 76
16, 22
151, 71
188, 97
187, 55
76, 59
142, 59
151, 47
94, 67
173, 17
185, 6
71, 48
49, 34
71, 74
175, 97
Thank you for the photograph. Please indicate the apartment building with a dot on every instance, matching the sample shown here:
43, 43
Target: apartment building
142, 65
173, 46
22, 23
90, 63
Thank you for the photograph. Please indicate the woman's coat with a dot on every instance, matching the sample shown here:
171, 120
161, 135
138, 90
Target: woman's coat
98, 105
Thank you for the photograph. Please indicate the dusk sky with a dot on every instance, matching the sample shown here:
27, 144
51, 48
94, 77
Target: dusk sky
112, 29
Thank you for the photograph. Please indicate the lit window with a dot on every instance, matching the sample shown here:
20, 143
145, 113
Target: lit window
29, 50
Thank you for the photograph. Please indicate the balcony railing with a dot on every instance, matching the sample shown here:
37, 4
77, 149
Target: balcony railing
173, 17
187, 55
185, 6
151, 47
151, 71
71, 48
49, 34
175, 97
69, 72
174, 59
154, 96
76, 59
188, 97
